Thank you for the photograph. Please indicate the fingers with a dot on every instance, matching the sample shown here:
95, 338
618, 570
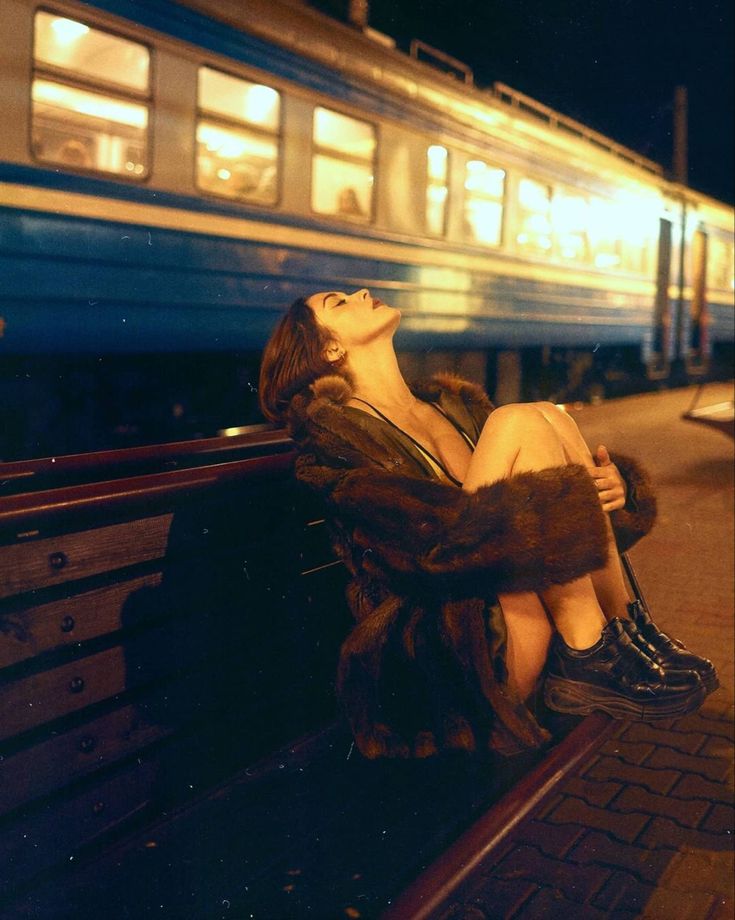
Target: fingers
615, 505
602, 457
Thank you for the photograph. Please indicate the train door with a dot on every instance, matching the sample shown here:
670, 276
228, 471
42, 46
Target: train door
695, 346
658, 364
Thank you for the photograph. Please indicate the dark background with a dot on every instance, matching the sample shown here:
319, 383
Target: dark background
611, 64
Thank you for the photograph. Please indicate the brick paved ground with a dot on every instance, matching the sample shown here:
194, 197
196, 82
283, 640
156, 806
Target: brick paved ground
645, 830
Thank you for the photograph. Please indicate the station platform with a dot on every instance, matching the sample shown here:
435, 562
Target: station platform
644, 828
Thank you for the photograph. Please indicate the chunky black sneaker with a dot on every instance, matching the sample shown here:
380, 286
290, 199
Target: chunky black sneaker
616, 677
669, 652
674, 675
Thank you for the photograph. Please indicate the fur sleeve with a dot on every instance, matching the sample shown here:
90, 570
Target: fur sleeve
638, 516
520, 534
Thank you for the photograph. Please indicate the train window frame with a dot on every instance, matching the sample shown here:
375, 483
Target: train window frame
201, 114
321, 150
468, 238
442, 234
40, 70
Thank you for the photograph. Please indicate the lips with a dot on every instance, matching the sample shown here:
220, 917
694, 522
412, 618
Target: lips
377, 302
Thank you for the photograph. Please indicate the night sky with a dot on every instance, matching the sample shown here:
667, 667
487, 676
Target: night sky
611, 64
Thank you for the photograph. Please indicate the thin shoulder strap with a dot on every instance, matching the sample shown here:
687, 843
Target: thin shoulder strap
413, 440
459, 428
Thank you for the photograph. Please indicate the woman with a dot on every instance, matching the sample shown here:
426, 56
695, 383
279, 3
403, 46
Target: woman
481, 544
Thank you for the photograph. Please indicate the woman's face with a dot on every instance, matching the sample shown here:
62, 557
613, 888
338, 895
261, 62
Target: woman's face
354, 319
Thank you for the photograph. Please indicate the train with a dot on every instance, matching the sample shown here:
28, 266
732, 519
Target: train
174, 174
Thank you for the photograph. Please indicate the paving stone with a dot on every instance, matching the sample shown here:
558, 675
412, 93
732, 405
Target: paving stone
552, 839
613, 768
721, 820
688, 812
550, 904
623, 891
627, 750
662, 832
700, 722
706, 871
597, 847
677, 905
685, 741
624, 827
577, 883
501, 897
592, 791
668, 759
691, 786
719, 748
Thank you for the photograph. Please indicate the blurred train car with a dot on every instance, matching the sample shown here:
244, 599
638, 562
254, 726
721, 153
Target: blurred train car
172, 175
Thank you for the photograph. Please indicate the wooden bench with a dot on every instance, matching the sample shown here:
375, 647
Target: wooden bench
145, 620
170, 621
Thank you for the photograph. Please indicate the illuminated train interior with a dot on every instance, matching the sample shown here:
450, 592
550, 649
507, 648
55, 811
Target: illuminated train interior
173, 180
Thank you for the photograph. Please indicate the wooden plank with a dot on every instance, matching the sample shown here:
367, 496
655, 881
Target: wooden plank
44, 838
55, 560
68, 621
29, 702
46, 767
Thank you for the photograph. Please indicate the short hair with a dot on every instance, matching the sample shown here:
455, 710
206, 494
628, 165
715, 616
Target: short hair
292, 359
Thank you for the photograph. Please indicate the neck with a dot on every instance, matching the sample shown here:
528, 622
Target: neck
377, 378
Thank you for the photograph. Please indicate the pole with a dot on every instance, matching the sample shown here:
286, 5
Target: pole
680, 134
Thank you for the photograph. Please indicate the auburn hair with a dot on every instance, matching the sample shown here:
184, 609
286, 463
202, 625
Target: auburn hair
292, 359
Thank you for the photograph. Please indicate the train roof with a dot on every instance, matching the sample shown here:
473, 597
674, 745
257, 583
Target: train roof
371, 59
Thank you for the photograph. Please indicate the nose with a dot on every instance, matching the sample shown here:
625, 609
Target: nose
363, 293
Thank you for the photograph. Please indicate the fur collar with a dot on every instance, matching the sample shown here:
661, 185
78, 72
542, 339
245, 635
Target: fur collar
338, 390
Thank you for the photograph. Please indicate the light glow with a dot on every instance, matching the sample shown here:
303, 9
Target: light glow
92, 104
67, 31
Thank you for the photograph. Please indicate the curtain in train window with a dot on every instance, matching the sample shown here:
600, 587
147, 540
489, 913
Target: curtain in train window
483, 203
534, 233
89, 98
238, 137
343, 165
437, 189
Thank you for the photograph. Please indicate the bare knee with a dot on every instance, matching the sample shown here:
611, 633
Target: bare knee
517, 414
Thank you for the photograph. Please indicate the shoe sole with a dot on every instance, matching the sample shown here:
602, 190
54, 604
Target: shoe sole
578, 698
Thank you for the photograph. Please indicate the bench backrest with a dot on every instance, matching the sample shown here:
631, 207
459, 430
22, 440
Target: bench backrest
157, 632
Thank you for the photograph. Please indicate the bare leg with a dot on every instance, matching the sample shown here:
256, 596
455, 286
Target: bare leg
515, 439
609, 582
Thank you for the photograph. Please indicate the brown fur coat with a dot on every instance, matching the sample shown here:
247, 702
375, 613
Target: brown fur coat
423, 669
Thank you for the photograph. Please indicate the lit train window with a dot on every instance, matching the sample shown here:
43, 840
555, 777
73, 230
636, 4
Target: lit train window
437, 189
89, 98
570, 218
720, 264
237, 137
605, 234
534, 234
342, 165
484, 186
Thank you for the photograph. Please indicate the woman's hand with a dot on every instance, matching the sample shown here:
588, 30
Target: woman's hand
610, 484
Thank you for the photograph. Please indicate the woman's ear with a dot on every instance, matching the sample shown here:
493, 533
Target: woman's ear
334, 352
